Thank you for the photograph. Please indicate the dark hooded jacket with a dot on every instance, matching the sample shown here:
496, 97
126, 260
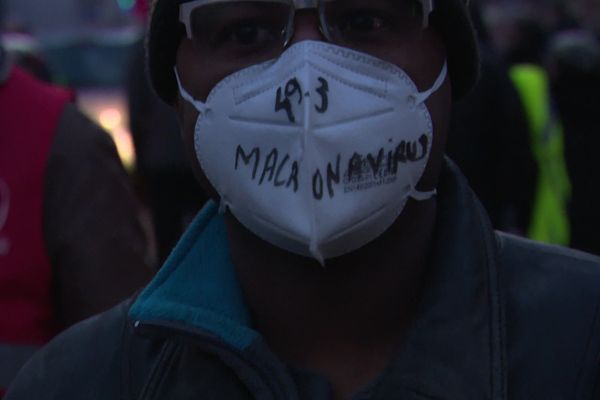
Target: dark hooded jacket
501, 318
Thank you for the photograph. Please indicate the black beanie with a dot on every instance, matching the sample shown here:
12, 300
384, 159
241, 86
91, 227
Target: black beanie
450, 17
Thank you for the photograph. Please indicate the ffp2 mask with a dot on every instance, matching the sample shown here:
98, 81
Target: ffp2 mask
317, 151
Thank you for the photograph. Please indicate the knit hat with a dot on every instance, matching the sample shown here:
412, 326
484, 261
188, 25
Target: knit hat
450, 17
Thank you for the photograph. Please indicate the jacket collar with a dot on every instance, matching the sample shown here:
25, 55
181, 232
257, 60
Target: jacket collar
454, 350
196, 288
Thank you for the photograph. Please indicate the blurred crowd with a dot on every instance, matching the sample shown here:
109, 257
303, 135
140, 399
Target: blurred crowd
102, 230
536, 99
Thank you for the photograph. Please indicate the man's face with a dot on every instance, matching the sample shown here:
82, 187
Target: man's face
420, 56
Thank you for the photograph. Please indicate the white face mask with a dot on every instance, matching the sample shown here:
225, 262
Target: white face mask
318, 151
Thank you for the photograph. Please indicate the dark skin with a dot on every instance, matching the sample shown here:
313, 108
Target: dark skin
347, 320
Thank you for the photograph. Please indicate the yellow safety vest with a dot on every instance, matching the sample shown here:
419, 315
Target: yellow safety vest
549, 220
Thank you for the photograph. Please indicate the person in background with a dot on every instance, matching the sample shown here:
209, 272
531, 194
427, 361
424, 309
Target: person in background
587, 13
526, 56
71, 243
342, 255
489, 141
574, 75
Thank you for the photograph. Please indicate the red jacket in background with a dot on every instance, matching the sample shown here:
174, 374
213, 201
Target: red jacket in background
29, 113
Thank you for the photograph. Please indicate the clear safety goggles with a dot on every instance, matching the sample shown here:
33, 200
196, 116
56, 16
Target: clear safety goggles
252, 30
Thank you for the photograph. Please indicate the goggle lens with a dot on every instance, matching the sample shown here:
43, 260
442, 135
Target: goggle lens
366, 25
240, 30
247, 32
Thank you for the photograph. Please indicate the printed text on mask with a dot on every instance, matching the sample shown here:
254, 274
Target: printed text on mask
363, 171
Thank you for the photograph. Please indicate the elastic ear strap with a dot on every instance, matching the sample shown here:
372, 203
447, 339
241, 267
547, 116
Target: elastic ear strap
186, 96
440, 79
436, 85
422, 196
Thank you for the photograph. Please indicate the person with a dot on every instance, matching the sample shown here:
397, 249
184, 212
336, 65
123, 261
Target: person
549, 215
71, 243
343, 255
574, 79
499, 165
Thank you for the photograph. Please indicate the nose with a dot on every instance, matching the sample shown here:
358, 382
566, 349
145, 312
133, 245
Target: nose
306, 26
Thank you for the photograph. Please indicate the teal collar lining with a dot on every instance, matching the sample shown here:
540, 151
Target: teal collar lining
197, 286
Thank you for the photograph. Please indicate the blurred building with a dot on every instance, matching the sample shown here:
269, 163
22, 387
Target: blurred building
86, 45
68, 17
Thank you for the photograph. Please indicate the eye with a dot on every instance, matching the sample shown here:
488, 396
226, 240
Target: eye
248, 33
237, 30
356, 23
362, 22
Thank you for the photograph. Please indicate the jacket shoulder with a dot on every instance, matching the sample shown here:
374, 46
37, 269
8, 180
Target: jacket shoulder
535, 271
551, 297
84, 362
